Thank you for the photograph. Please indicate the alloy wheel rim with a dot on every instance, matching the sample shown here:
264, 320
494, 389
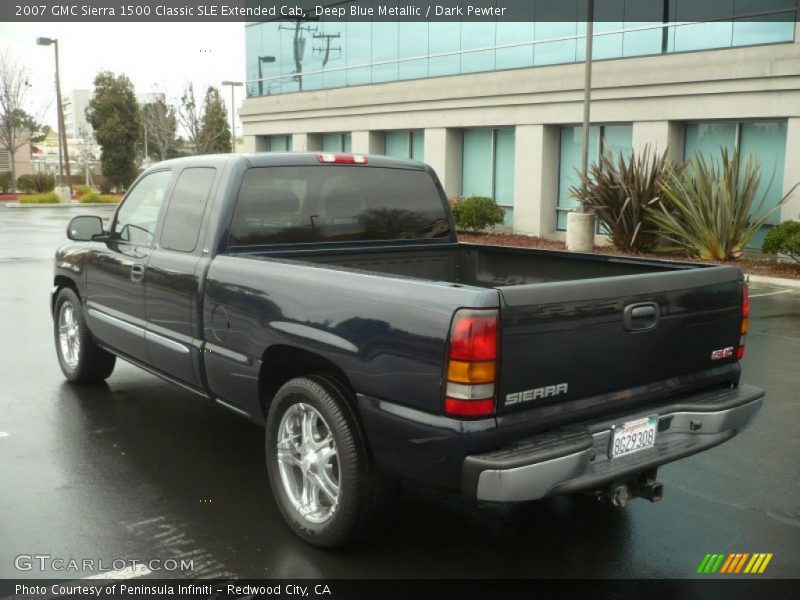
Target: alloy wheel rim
68, 338
308, 462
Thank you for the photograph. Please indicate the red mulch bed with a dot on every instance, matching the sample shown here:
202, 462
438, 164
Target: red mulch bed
750, 264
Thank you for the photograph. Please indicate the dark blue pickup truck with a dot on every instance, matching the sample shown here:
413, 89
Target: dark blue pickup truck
327, 297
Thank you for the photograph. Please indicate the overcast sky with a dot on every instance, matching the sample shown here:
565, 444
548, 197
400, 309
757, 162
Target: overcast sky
160, 57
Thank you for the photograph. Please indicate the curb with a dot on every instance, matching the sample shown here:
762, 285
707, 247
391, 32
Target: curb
776, 281
59, 205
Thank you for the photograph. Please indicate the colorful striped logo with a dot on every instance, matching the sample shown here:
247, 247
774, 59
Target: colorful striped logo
737, 563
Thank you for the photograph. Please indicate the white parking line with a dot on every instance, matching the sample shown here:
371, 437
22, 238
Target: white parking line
126, 573
771, 293
4, 434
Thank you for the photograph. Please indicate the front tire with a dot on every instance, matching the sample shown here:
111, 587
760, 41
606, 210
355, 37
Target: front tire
80, 358
319, 467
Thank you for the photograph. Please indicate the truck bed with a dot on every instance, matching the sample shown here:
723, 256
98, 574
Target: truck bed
482, 265
563, 322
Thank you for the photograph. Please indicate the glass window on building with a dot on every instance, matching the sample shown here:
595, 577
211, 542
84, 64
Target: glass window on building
280, 143
516, 54
762, 141
444, 45
602, 138
475, 37
405, 144
337, 142
291, 57
385, 37
488, 167
412, 43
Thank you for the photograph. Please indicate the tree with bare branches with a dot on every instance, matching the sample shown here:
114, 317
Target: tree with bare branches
206, 124
15, 123
160, 125
190, 114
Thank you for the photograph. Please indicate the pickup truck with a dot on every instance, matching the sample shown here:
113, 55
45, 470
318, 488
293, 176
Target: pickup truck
326, 297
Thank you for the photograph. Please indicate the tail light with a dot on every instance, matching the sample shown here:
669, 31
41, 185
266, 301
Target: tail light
745, 321
472, 364
341, 159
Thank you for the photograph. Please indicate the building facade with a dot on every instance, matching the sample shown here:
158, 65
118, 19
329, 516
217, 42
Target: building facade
22, 160
496, 107
75, 123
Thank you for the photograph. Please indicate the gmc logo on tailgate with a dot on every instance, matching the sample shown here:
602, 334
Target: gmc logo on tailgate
722, 353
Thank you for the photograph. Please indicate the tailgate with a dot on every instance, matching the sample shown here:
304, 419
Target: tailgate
562, 343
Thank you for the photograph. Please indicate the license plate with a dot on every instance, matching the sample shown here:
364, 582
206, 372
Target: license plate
633, 436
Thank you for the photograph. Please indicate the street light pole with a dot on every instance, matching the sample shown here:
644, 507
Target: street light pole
587, 89
234, 85
62, 134
580, 223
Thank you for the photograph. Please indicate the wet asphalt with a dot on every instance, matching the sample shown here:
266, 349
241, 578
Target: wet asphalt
139, 469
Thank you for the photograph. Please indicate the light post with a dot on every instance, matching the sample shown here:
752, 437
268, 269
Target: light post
62, 135
581, 224
263, 59
234, 85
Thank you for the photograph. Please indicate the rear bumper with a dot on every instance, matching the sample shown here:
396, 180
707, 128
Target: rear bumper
576, 458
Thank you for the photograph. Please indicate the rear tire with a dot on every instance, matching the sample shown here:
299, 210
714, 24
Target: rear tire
319, 466
80, 358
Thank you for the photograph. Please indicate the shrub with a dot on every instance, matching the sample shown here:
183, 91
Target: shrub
37, 182
82, 190
711, 209
620, 191
5, 182
46, 198
784, 238
88, 197
103, 183
25, 184
476, 213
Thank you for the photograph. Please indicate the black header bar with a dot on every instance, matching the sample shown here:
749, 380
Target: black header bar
640, 11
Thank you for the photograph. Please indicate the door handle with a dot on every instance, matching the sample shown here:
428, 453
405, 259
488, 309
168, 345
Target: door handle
641, 317
137, 272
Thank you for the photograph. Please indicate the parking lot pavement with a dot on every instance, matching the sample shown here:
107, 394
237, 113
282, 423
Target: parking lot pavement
139, 469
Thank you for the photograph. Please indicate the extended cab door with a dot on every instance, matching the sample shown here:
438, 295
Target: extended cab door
115, 277
174, 275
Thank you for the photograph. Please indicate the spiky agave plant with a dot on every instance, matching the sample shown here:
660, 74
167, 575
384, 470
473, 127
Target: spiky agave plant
712, 208
619, 189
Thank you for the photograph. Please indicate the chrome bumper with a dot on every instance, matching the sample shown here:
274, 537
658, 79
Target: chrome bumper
576, 458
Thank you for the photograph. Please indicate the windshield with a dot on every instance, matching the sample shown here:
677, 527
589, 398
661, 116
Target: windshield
280, 205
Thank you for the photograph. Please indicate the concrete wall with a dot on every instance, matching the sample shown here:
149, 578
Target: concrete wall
657, 94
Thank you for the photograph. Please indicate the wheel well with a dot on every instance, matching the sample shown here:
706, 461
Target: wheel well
62, 282
281, 363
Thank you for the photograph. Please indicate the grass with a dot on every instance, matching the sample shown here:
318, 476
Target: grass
45, 198
92, 197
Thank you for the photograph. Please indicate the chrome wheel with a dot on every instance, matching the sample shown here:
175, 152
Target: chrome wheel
308, 462
68, 335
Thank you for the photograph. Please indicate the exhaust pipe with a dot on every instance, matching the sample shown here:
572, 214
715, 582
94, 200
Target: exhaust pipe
645, 486
616, 495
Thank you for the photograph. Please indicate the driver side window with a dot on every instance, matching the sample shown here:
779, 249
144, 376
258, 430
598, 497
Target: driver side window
137, 217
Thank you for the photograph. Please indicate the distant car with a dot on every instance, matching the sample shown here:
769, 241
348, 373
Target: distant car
327, 297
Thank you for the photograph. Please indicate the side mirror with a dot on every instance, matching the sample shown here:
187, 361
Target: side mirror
84, 228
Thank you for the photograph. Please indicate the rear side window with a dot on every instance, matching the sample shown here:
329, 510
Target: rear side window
291, 205
186, 209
